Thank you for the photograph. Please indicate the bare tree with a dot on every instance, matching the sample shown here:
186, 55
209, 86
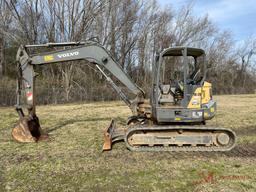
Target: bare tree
245, 54
189, 29
5, 18
133, 31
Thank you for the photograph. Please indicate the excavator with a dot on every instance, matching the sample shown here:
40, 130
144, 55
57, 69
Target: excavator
173, 118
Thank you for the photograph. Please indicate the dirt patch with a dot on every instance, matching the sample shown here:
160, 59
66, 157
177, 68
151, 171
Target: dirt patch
246, 150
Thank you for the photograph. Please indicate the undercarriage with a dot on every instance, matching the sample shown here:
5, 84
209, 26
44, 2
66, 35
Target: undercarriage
147, 137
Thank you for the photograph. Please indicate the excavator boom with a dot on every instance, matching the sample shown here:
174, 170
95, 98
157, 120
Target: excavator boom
28, 129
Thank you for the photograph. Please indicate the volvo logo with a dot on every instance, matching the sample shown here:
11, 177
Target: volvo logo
63, 55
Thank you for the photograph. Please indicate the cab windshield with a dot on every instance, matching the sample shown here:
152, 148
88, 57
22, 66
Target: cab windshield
173, 69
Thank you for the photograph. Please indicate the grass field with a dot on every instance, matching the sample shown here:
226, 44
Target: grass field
72, 160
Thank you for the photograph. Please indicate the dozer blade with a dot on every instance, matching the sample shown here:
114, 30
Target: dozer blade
112, 135
28, 130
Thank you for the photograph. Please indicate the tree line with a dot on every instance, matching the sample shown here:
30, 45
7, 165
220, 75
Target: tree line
134, 31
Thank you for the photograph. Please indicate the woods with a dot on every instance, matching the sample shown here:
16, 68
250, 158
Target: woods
134, 31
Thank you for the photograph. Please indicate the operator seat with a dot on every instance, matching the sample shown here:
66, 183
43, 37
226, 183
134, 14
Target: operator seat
166, 96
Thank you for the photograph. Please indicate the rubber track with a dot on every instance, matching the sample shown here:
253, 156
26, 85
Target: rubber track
180, 148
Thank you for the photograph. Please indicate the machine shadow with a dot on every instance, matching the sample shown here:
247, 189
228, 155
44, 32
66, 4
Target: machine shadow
72, 121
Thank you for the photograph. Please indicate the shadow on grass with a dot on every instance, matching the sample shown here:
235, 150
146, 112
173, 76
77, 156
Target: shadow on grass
72, 121
240, 151
244, 150
246, 131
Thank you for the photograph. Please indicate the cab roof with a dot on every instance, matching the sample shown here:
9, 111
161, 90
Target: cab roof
177, 51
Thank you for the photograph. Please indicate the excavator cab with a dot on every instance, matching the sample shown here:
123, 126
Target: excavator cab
180, 93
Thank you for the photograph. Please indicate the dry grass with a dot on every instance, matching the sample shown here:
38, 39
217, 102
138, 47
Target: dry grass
72, 160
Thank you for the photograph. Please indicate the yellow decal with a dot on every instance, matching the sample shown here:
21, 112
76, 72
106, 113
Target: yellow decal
195, 102
48, 58
177, 119
206, 114
206, 92
212, 109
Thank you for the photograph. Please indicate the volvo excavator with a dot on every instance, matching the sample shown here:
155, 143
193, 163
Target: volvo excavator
173, 118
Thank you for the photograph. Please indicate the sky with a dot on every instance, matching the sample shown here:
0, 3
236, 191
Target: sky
237, 16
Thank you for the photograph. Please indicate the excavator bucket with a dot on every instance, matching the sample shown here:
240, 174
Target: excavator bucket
28, 130
112, 135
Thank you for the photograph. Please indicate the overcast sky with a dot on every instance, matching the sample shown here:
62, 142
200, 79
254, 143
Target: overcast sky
238, 16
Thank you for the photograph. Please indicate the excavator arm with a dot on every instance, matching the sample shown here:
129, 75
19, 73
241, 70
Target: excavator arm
29, 128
